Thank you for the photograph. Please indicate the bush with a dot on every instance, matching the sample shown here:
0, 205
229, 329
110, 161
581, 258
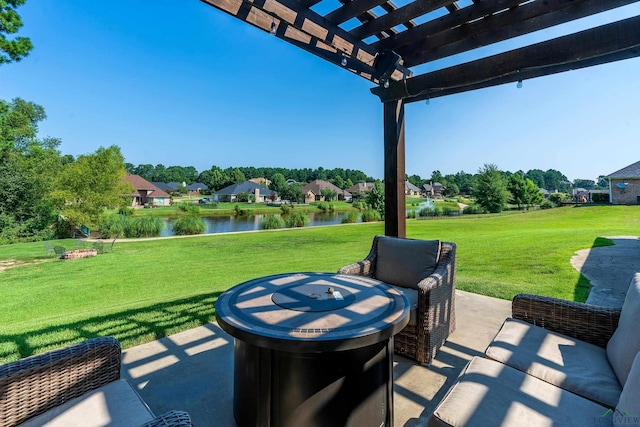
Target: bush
238, 211
426, 211
190, 209
144, 226
188, 225
285, 209
350, 218
602, 198
558, 198
126, 211
371, 215
325, 206
473, 209
113, 225
297, 219
411, 214
272, 222
358, 205
547, 205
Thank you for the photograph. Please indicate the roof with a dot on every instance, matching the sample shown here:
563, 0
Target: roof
318, 185
631, 171
245, 187
410, 187
197, 186
361, 187
141, 184
163, 186
385, 41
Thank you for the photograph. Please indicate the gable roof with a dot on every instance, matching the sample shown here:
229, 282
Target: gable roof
141, 184
245, 187
631, 171
318, 185
197, 186
162, 186
410, 187
361, 187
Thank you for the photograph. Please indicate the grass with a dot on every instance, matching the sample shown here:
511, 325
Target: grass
145, 290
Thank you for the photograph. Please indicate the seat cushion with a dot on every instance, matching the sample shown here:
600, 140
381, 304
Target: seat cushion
625, 342
115, 404
412, 295
404, 262
629, 404
488, 393
571, 364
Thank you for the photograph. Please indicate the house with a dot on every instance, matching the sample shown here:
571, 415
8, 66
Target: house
624, 185
433, 189
410, 189
230, 193
261, 181
196, 188
360, 189
163, 186
313, 191
146, 193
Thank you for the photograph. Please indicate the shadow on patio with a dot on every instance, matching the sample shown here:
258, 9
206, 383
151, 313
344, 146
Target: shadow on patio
193, 370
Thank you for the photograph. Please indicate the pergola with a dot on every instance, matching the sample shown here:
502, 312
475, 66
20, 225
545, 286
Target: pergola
384, 41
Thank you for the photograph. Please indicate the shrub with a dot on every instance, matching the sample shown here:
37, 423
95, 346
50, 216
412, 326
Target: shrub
271, 222
190, 209
113, 225
238, 211
188, 225
285, 209
411, 214
547, 205
426, 211
126, 211
558, 198
371, 215
144, 226
350, 218
325, 206
446, 211
473, 209
600, 198
358, 205
297, 219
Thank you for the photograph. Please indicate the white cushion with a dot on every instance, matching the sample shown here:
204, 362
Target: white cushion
571, 364
405, 262
488, 393
115, 404
625, 342
628, 408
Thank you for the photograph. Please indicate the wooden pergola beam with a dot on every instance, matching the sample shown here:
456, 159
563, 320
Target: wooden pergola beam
395, 222
600, 45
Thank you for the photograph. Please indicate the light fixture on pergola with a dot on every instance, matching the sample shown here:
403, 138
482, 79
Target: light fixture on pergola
387, 41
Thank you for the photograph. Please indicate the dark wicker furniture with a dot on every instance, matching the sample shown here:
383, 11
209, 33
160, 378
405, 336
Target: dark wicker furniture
36, 384
586, 322
436, 304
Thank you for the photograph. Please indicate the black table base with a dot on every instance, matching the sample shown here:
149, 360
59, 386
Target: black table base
340, 388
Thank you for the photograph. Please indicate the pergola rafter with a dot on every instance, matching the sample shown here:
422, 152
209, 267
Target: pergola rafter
423, 31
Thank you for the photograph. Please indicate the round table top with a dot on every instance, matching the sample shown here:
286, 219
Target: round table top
306, 312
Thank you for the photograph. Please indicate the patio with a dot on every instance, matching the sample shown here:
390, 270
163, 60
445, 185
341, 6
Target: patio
193, 370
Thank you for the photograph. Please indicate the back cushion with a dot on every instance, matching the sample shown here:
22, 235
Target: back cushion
628, 408
404, 262
625, 342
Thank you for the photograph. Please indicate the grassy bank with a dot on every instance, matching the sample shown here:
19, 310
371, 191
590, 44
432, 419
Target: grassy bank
146, 290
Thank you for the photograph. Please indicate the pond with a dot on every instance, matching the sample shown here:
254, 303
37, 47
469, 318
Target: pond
226, 224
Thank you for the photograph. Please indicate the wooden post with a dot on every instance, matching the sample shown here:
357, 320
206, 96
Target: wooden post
395, 223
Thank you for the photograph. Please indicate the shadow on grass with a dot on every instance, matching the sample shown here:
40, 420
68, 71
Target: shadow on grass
583, 286
130, 327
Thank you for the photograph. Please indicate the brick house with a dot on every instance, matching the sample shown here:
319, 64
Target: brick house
146, 193
624, 185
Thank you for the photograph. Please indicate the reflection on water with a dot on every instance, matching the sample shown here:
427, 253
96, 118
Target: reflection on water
226, 224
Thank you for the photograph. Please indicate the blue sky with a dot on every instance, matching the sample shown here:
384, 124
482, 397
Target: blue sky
177, 82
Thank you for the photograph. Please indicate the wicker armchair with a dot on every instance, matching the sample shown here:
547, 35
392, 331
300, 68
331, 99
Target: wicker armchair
586, 322
34, 385
436, 301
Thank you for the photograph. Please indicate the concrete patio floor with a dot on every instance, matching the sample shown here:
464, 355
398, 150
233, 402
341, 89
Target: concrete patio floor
193, 370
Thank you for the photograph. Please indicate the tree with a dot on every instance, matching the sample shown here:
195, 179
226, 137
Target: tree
436, 176
328, 194
292, 193
375, 198
537, 176
237, 176
10, 23
555, 180
278, 183
338, 181
93, 183
491, 191
27, 169
524, 192
587, 184
603, 183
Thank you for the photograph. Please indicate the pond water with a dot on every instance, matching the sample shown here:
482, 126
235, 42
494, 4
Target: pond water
226, 224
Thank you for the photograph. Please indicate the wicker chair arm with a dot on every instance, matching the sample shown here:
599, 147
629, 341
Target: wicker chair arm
170, 419
586, 322
444, 269
33, 385
366, 267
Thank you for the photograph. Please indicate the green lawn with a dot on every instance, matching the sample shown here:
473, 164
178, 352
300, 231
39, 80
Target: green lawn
145, 290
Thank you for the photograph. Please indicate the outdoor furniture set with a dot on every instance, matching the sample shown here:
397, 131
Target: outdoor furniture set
554, 363
78, 385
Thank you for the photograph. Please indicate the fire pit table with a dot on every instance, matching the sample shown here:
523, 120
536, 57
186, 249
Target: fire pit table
313, 349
